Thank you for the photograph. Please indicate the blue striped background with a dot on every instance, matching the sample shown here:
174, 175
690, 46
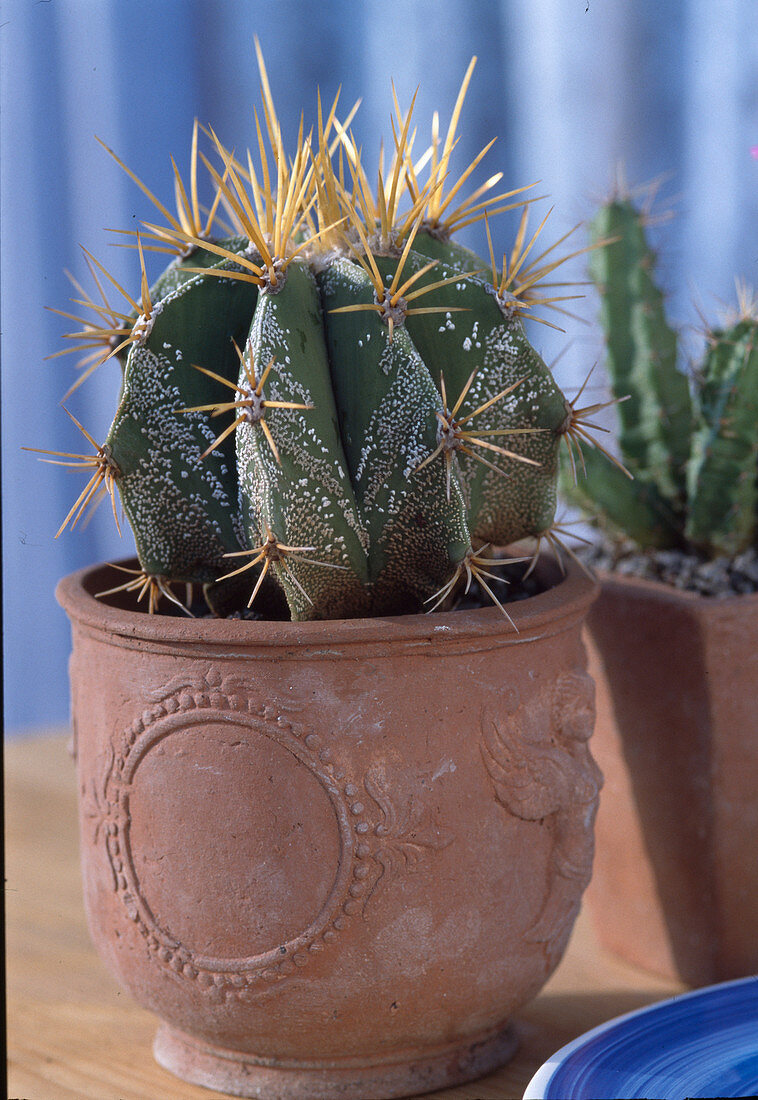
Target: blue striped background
570, 87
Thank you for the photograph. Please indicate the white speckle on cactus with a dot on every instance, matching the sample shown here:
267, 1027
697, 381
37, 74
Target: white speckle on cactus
150, 481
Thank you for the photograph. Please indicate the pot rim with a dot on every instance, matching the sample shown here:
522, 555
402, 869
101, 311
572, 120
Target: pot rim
607, 578
568, 598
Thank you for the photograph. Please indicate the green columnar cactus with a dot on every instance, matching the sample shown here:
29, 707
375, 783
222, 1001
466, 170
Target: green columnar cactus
693, 457
334, 402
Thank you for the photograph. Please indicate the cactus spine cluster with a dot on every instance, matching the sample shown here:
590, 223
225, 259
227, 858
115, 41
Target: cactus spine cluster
329, 402
692, 450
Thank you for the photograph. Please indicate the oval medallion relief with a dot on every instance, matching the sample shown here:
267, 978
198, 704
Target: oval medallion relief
236, 846
240, 842
229, 838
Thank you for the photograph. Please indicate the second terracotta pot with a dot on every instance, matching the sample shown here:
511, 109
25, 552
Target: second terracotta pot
333, 857
675, 886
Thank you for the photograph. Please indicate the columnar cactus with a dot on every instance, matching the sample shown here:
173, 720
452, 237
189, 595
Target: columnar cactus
693, 457
335, 402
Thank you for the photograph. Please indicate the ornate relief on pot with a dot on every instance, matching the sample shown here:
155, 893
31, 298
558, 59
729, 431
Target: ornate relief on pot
238, 841
406, 832
536, 754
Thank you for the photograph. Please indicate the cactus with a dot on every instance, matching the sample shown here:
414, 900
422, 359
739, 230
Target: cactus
693, 455
331, 402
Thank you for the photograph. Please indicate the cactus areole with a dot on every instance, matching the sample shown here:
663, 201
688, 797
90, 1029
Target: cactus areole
329, 401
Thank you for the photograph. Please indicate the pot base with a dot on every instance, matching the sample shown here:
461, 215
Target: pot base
240, 1074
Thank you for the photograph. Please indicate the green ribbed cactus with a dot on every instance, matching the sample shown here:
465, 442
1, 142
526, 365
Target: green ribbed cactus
331, 402
693, 455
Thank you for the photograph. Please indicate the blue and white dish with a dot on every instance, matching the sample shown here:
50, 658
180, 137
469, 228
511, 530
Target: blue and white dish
699, 1044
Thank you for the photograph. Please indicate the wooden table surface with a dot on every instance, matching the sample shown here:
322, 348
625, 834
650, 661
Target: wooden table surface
73, 1035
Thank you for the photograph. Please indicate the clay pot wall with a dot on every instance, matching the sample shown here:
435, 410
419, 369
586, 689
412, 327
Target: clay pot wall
333, 857
675, 887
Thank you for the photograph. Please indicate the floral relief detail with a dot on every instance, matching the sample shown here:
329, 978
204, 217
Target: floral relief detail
406, 832
541, 770
214, 689
101, 808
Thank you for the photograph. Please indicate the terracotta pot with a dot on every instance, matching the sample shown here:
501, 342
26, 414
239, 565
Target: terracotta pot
333, 857
675, 886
